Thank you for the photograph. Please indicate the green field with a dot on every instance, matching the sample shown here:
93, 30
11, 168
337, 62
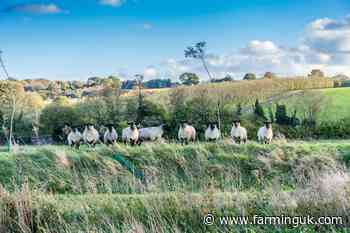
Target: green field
335, 105
57, 189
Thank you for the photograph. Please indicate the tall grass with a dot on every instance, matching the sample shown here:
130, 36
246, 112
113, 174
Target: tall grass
59, 190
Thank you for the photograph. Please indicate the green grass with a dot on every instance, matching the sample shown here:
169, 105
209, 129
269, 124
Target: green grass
336, 104
57, 189
339, 106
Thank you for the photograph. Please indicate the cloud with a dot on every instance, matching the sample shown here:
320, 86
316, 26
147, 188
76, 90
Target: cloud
150, 72
329, 36
257, 47
36, 9
325, 45
113, 3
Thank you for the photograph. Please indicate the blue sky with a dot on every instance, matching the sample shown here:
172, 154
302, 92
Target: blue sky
67, 39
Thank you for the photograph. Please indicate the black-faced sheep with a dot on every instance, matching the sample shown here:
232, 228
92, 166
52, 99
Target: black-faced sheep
131, 134
238, 133
75, 137
110, 136
265, 133
212, 133
91, 135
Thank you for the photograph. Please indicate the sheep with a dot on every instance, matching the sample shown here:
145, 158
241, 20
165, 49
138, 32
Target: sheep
110, 136
212, 133
91, 135
152, 133
102, 131
66, 130
265, 133
238, 133
74, 138
186, 133
131, 134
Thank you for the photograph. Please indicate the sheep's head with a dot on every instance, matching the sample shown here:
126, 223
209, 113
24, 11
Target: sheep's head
110, 127
183, 124
268, 125
212, 125
236, 123
90, 126
132, 125
66, 129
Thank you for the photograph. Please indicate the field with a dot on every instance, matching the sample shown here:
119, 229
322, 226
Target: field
171, 188
335, 106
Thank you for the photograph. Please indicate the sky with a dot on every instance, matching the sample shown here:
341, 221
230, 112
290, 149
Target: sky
78, 39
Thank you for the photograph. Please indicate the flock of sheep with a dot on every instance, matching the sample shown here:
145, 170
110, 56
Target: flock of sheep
134, 136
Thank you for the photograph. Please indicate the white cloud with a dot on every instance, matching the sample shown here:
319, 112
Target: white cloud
325, 45
150, 72
260, 48
113, 3
36, 8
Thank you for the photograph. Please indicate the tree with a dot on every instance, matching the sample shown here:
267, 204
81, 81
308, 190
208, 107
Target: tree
141, 108
316, 73
249, 76
259, 110
189, 79
10, 94
158, 83
269, 75
111, 86
227, 78
281, 114
239, 109
198, 52
271, 115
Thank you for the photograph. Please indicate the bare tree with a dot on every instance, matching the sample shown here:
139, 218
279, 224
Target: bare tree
140, 108
198, 52
8, 96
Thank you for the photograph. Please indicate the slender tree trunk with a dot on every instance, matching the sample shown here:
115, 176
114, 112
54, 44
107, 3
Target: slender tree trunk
206, 68
11, 122
219, 115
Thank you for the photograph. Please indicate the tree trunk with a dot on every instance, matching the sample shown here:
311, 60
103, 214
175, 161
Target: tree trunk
206, 68
11, 122
219, 115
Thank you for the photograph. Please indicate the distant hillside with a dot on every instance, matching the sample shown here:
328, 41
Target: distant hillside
94, 86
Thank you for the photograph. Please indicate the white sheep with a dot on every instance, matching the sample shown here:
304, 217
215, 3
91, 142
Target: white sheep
91, 135
239, 133
131, 134
187, 133
265, 133
74, 138
110, 136
152, 133
212, 133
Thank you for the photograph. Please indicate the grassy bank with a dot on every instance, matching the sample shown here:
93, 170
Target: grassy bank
169, 167
57, 189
